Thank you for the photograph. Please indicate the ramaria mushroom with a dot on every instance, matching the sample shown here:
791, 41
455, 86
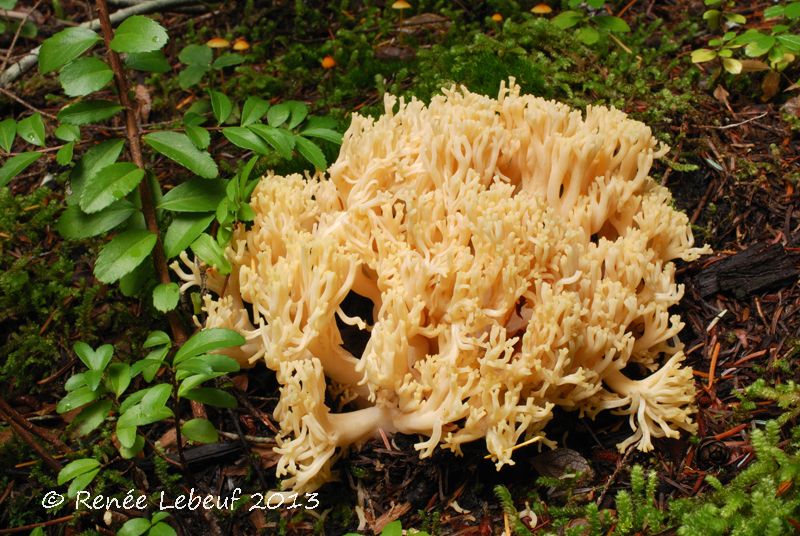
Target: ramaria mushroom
515, 256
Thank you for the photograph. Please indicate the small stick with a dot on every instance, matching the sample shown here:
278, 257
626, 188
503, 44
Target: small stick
713, 368
29, 439
26, 528
30, 427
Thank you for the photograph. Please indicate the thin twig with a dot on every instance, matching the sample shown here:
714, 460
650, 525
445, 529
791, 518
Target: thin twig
31, 441
734, 125
49, 523
30, 427
27, 105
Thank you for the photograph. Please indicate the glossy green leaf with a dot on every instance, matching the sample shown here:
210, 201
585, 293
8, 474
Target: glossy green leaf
139, 34
221, 105
184, 229
94, 359
80, 482
156, 338
792, 11
8, 129
703, 54
75, 224
128, 453
84, 76
124, 253
16, 165
31, 129
178, 147
88, 111
323, 134
101, 155
200, 55
119, 377
199, 136
612, 24
280, 139
311, 152
566, 19
166, 296
210, 252
156, 398
731, 65
208, 340
229, 59
75, 399
298, 112
64, 155
65, 46
211, 396
191, 75
246, 139
110, 184
587, 35
196, 195
161, 529
253, 110
278, 114
134, 527
68, 133
76, 468
200, 430
151, 62
791, 42
92, 416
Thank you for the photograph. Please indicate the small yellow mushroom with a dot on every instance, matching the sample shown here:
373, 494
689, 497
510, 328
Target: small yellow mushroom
218, 42
541, 9
240, 43
497, 17
328, 62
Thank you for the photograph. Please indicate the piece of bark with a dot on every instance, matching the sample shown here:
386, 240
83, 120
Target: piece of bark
749, 271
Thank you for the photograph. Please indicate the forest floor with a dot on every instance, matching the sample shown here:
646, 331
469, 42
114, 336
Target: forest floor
734, 169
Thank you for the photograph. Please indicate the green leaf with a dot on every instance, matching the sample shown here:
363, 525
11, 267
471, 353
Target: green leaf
759, 45
221, 105
127, 434
280, 139
199, 55
151, 62
16, 165
703, 54
184, 230
8, 129
94, 359
395, 528
246, 139
101, 155
8, 4
119, 377
139, 34
791, 42
156, 398
92, 416
93, 378
76, 468
773, 12
88, 111
75, 381
311, 152
792, 11
199, 136
68, 133
191, 75
161, 529
208, 340
278, 114
64, 47
75, 224
299, 111
64, 155
200, 430
612, 24
253, 110
123, 254
31, 129
731, 65
77, 398
323, 134
130, 452
196, 195
80, 482
134, 527
735, 18
588, 35
84, 76
211, 396
210, 251
179, 147
157, 338
166, 296
566, 19
229, 59
110, 184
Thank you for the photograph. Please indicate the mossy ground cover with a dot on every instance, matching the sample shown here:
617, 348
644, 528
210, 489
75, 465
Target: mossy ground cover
737, 183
